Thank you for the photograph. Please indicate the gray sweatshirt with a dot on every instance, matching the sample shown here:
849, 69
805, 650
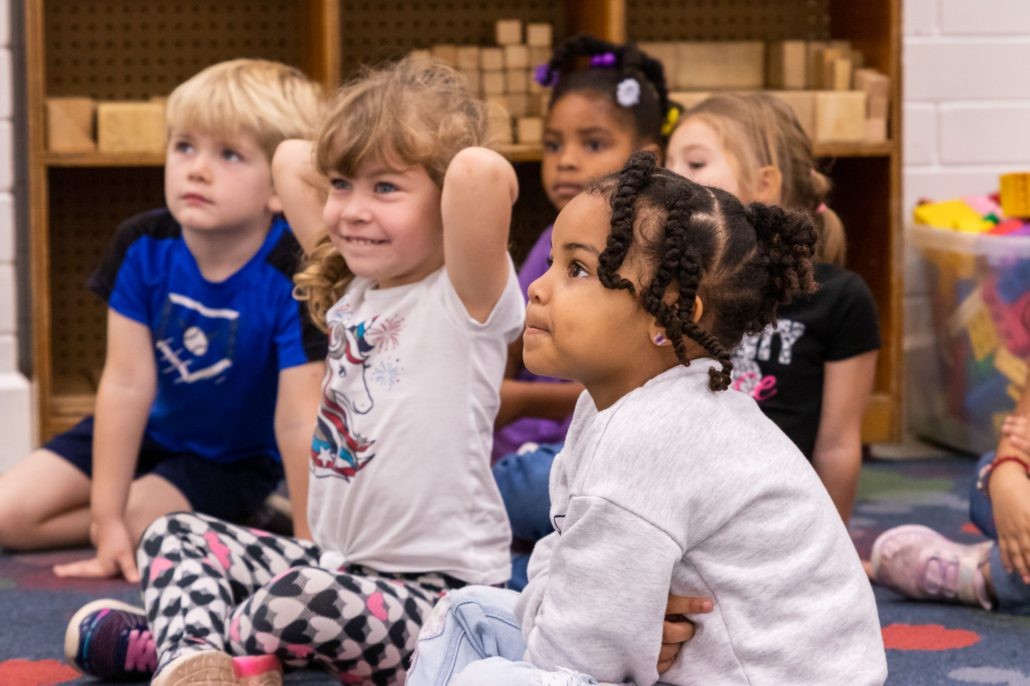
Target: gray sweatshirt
676, 487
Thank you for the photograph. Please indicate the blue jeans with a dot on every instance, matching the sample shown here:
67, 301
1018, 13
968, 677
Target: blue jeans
473, 638
1012, 594
523, 480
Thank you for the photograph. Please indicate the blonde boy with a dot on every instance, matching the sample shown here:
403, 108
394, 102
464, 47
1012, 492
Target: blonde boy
211, 378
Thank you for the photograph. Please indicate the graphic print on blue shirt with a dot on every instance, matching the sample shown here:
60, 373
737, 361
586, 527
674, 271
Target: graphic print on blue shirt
337, 448
195, 342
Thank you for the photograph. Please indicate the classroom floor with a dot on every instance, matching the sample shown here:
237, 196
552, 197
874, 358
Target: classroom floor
927, 643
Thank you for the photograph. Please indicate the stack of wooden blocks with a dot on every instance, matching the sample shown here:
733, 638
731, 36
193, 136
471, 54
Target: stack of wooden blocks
503, 75
82, 125
834, 98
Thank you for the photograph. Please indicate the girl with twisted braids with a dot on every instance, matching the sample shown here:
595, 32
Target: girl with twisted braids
667, 478
607, 100
811, 372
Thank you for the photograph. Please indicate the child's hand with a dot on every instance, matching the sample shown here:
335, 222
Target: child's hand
115, 554
677, 629
1009, 489
1016, 428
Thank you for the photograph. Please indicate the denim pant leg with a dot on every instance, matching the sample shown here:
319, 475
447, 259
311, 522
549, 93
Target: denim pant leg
522, 479
1012, 594
473, 638
467, 625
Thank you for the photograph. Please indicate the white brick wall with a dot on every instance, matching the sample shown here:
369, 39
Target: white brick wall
15, 401
966, 115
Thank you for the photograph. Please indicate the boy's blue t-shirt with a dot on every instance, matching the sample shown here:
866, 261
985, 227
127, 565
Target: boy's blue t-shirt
219, 347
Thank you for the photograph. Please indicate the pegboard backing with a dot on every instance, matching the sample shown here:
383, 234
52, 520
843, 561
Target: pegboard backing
86, 206
672, 20
133, 49
383, 29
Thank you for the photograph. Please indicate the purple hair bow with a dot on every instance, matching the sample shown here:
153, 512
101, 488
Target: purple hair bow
544, 76
606, 60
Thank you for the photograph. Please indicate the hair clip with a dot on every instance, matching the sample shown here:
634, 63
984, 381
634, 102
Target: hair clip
671, 118
627, 93
606, 60
544, 75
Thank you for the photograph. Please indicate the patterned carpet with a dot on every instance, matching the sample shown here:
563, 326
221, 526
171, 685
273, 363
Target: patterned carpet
927, 643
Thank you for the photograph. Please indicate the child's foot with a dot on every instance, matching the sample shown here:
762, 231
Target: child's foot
918, 562
215, 668
110, 640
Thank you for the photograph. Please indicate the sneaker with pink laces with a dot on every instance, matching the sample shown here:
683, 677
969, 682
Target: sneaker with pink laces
111, 640
918, 562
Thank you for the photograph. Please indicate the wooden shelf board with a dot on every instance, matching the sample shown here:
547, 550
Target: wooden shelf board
879, 423
104, 159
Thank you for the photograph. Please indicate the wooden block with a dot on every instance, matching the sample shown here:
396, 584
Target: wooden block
840, 70
803, 105
498, 120
813, 62
688, 98
491, 59
516, 81
840, 116
420, 54
516, 57
877, 107
447, 53
539, 55
530, 129
509, 31
131, 127
533, 100
467, 57
545, 102
730, 65
518, 104
825, 58
475, 80
664, 52
69, 124
872, 82
786, 64
876, 130
493, 83
539, 35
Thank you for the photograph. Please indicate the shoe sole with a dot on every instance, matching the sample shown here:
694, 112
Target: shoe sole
212, 668
72, 635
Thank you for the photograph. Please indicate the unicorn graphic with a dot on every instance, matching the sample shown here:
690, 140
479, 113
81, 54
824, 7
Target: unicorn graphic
337, 448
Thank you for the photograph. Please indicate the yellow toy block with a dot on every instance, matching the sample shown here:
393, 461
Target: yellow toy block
983, 336
1010, 366
951, 214
1015, 392
1015, 194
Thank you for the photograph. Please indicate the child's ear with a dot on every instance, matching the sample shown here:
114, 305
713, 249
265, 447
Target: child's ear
699, 309
769, 185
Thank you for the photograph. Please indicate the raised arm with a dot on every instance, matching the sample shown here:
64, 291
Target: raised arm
295, 408
479, 189
301, 190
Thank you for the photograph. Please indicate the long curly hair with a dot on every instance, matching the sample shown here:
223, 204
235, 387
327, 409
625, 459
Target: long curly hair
743, 261
416, 111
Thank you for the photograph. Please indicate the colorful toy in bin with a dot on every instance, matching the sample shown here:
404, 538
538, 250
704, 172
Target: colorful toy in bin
952, 214
1015, 194
1012, 320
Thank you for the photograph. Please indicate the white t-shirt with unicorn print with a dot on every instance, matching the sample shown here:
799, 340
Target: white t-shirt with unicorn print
400, 462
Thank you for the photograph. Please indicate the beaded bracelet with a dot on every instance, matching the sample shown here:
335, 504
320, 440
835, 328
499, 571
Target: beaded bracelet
983, 479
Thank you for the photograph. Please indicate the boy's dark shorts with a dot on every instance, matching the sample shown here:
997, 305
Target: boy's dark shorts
231, 491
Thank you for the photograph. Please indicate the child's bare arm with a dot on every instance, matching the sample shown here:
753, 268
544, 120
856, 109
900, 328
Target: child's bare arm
295, 409
301, 190
478, 191
837, 456
126, 392
1009, 490
536, 399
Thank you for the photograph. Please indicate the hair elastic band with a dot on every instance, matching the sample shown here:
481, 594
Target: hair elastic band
544, 75
822, 208
606, 60
671, 118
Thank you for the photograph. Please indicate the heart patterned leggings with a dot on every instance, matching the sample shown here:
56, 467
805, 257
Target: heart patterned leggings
210, 585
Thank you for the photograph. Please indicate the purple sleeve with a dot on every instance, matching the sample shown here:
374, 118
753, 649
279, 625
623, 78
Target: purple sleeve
535, 263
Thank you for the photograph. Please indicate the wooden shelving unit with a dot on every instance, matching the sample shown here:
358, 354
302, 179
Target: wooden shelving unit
111, 49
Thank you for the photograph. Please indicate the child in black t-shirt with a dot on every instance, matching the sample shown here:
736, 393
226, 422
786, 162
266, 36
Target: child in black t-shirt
811, 372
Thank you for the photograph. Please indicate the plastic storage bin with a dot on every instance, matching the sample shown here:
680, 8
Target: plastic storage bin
971, 375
